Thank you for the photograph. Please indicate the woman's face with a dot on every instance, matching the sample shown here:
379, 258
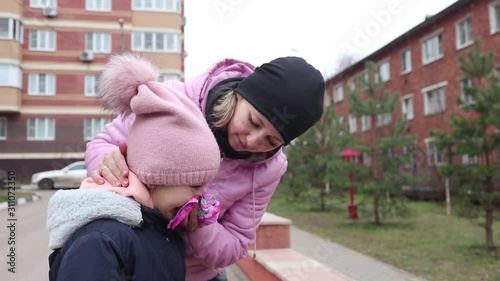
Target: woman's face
250, 131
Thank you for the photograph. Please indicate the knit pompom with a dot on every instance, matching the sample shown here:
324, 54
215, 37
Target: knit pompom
119, 81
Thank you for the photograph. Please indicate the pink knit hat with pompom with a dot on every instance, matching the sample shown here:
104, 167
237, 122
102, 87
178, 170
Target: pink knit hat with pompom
170, 142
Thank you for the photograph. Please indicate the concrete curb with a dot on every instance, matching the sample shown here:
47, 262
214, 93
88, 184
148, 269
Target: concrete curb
21, 201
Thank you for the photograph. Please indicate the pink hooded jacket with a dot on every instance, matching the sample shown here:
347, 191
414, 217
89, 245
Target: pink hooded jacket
243, 188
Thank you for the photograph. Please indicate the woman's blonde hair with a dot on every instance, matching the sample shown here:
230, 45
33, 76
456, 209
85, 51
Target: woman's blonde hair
222, 113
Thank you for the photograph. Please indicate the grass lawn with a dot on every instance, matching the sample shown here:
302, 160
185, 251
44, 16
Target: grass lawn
427, 243
4, 195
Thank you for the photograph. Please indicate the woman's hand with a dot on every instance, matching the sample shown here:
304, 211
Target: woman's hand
113, 168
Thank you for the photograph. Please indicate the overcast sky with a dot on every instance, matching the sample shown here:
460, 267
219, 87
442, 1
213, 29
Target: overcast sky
321, 31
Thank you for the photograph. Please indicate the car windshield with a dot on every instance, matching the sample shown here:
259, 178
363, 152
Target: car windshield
77, 167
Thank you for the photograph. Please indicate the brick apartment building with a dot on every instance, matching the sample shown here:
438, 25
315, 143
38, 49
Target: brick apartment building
422, 66
51, 53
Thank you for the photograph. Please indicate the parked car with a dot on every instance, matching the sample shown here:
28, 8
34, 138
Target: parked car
68, 177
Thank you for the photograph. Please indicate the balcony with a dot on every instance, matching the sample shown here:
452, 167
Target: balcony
10, 100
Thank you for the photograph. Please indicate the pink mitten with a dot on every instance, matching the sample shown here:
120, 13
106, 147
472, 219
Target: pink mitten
208, 211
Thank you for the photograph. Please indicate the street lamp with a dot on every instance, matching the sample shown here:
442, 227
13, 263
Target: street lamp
350, 155
122, 39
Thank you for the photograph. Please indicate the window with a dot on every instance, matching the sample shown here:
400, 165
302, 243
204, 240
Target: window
435, 98
384, 119
98, 42
98, 5
43, 3
364, 79
41, 129
156, 5
383, 72
93, 126
91, 85
466, 97
42, 84
494, 11
341, 125
327, 100
11, 29
353, 123
350, 85
338, 93
169, 76
366, 122
434, 155
10, 75
405, 61
156, 41
464, 33
432, 48
407, 107
409, 152
43, 40
367, 159
3, 128
470, 160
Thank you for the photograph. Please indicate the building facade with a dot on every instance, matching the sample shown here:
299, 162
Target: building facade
422, 66
51, 54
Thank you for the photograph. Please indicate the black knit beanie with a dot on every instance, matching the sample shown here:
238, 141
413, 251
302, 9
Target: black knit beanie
289, 92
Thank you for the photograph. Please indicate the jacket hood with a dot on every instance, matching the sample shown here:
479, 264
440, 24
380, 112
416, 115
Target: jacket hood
69, 210
201, 85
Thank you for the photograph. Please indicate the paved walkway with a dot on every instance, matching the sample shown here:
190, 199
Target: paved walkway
346, 261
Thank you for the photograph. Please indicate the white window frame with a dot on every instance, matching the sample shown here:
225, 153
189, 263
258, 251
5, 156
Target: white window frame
428, 109
470, 160
434, 156
428, 57
405, 61
47, 44
364, 75
407, 108
156, 5
90, 82
366, 122
13, 75
3, 128
93, 126
411, 161
327, 99
494, 17
43, 3
351, 86
353, 123
467, 33
49, 125
98, 5
383, 71
384, 119
367, 159
341, 128
338, 93
169, 38
34, 84
15, 29
466, 99
100, 41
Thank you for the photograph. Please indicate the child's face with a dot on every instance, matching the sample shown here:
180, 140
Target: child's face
168, 199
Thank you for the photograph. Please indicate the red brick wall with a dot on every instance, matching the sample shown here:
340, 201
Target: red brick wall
421, 76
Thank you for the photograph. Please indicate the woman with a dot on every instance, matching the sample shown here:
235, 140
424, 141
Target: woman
253, 112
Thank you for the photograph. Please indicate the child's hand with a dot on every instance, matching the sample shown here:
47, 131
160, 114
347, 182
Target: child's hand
168, 199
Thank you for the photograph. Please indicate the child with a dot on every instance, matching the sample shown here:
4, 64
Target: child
101, 235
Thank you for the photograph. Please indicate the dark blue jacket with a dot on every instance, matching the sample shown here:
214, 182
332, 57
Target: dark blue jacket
107, 250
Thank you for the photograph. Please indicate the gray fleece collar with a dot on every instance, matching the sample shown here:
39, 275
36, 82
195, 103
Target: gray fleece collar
69, 210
